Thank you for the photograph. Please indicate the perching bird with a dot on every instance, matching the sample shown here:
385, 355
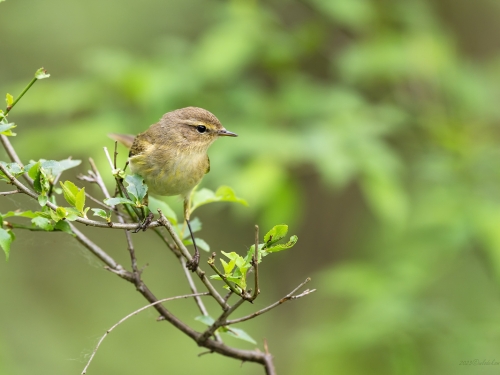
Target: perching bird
171, 156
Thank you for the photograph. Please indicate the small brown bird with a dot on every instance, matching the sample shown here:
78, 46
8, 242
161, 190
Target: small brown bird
171, 156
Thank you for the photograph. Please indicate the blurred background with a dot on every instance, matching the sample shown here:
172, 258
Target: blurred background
369, 126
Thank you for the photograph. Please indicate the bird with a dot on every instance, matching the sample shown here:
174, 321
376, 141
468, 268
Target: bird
171, 155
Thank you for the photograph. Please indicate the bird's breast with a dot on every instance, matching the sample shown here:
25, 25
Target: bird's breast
170, 173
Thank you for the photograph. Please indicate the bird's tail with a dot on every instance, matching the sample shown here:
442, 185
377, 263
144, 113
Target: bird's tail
125, 139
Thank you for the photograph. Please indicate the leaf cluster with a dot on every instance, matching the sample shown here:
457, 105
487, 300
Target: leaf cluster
236, 270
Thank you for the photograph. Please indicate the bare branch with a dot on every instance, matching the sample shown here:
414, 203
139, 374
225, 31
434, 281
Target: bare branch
288, 297
184, 251
14, 157
9, 192
98, 179
131, 315
256, 290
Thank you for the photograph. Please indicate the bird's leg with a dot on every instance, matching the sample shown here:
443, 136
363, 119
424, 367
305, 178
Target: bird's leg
191, 265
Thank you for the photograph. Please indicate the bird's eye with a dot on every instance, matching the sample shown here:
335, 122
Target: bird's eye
201, 128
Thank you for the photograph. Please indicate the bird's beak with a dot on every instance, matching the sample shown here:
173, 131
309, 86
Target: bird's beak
226, 133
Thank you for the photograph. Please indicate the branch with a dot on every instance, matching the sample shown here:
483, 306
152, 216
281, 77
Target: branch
242, 294
256, 290
288, 297
184, 251
197, 295
9, 192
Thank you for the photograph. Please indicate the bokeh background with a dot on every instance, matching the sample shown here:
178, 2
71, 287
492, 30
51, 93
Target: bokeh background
369, 126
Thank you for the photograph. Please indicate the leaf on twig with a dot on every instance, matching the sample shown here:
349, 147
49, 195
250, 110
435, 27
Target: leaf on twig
238, 333
275, 234
136, 188
41, 74
102, 213
9, 99
205, 196
6, 129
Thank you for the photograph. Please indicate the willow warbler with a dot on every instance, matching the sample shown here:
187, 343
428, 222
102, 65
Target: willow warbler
171, 156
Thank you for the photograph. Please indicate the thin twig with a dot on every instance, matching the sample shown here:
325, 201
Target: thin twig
98, 179
256, 290
14, 157
96, 250
9, 108
133, 259
220, 321
9, 192
115, 154
211, 263
184, 251
192, 286
131, 315
93, 223
97, 201
123, 192
288, 297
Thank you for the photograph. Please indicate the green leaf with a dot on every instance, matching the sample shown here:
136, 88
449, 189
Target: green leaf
41, 74
101, 213
280, 247
54, 167
43, 223
13, 168
70, 191
33, 169
205, 319
63, 226
117, 200
136, 187
61, 213
42, 199
29, 214
80, 201
6, 238
202, 244
5, 129
155, 204
205, 196
228, 267
275, 234
36, 174
72, 214
9, 99
239, 334
195, 227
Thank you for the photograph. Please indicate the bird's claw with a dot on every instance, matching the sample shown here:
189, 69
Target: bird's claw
192, 265
145, 223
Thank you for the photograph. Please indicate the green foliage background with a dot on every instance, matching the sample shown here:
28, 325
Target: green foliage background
370, 126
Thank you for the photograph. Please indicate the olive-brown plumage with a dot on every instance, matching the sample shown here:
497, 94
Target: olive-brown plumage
171, 156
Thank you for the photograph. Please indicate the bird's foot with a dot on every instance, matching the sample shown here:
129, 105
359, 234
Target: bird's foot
145, 223
192, 265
